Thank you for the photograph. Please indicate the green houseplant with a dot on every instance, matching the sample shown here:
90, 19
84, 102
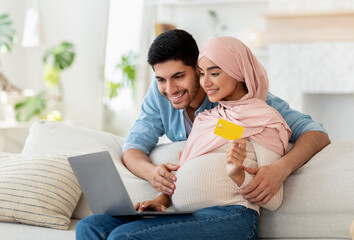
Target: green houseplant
30, 107
56, 60
7, 41
217, 27
127, 64
7, 33
120, 88
9, 93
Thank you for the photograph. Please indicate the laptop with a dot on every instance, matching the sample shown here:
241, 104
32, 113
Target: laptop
103, 187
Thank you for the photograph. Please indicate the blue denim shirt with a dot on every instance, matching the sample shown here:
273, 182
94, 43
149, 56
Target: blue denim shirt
158, 117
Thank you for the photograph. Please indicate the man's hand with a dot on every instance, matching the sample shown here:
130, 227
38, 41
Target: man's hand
268, 179
159, 176
162, 179
266, 183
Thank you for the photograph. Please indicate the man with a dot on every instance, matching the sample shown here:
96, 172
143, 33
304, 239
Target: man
171, 105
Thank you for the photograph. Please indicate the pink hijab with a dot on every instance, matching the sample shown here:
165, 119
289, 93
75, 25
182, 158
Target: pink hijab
262, 123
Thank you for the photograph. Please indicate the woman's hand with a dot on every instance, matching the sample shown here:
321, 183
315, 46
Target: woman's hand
150, 206
235, 158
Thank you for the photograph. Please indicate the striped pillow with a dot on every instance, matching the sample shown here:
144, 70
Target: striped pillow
38, 190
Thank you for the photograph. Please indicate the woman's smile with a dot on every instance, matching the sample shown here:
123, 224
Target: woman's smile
211, 91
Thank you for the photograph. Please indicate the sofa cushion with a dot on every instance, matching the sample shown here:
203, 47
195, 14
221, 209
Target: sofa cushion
48, 137
18, 231
52, 137
318, 198
40, 190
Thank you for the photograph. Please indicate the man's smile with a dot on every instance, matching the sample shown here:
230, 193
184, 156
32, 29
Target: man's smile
177, 97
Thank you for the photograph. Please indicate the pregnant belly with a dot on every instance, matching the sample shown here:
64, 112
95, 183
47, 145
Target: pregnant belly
203, 182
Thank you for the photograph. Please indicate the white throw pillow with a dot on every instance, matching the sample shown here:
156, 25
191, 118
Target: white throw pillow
49, 137
39, 190
5, 155
318, 198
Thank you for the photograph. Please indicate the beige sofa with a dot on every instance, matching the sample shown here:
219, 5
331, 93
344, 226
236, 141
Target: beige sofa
318, 198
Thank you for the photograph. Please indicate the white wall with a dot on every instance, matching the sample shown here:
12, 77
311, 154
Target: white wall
82, 22
334, 111
316, 77
193, 16
124, 35
238, 16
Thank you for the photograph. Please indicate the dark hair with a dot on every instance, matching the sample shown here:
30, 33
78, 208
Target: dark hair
175, 44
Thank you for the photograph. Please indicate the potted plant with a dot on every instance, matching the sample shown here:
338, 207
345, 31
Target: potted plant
56, 60
8, 91
216, 26
127, 64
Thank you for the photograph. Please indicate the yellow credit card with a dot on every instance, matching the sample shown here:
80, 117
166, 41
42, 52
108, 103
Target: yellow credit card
228, 130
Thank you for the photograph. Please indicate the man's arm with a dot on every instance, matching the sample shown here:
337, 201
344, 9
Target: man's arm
269, 179
148, 127
159, 176
142, 137
309, 138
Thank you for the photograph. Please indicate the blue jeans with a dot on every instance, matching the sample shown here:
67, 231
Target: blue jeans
230, 222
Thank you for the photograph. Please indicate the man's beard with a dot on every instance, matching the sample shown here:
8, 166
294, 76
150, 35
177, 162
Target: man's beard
191, 94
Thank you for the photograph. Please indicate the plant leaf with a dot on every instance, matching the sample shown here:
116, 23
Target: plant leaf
127, 65
4, 15
111, 89
63, 55
6, 33
30, 107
